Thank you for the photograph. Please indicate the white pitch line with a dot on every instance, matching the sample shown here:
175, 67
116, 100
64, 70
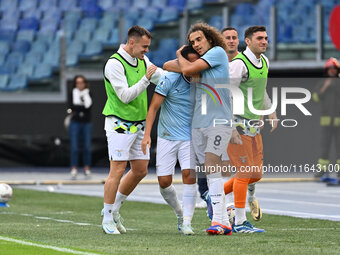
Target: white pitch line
296, 193
65, 212
306, 229
57, 220
56, 248
335, 190
53, 219
154, 199
276, 200
302, 214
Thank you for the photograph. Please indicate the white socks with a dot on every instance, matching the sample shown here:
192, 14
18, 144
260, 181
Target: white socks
189, 202
170, 196
225, 216
240, 215
120, 198
216, 191
109, 209
107, 213
229, 198
251, 192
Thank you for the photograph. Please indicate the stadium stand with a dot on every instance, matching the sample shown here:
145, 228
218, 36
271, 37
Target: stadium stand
3, 81
113, 38
216, 21
42, 72
294, 26
26, 35
92, 49
72, 59
4, 47
92, 26
17, 82
27, 69
194, 4
166, 50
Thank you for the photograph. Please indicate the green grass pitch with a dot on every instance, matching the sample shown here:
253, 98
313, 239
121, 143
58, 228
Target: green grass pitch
53, 219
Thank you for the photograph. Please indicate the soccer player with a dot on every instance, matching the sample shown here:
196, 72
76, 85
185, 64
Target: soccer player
173, 142
232, 40
249, 69
127, 74
208, 139
231, 36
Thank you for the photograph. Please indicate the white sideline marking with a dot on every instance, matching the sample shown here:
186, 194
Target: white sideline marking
319, 193
307, 229
298, 202
65, 212
302, 214
335, 191
53, 219
46, 246
57, 220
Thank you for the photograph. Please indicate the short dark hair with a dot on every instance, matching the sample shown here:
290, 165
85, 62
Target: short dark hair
138, 31
253, 29
228, 29
188, 50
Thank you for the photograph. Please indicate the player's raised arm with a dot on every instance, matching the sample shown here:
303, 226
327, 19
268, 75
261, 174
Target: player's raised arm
172, 66
190, 68
156, 102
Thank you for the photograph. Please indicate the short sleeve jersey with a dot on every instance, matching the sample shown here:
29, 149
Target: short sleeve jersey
211, 101
174, 119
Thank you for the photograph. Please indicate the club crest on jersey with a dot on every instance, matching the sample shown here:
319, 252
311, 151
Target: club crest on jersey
243, 159
161, 84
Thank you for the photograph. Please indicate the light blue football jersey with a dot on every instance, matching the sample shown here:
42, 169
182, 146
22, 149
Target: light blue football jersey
174, 119
216, 101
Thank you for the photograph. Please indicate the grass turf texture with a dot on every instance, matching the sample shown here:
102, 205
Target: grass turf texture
154, 230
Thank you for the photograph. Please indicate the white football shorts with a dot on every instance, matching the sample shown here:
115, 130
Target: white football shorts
124, 147
212, 139
168, 152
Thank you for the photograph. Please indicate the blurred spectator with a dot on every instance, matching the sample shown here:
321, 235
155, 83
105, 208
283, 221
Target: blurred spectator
80, 129
328, 94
